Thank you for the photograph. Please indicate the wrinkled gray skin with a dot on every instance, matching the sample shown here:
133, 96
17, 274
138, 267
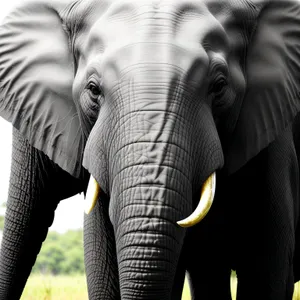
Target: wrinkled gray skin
151, 98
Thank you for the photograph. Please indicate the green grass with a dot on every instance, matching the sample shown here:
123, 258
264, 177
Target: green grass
48, 287
40, 287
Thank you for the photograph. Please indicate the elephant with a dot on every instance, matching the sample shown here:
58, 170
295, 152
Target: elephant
146, 107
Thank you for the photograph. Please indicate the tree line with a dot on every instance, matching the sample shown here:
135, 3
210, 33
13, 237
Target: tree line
61, 254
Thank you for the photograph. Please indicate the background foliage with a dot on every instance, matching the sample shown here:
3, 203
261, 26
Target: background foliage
61, 254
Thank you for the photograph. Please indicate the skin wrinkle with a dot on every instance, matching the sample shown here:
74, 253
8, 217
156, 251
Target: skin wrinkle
122, 124
143, 185
129, 269
140, 66
135, 114
143, 247
144, 88
138, 250
124, 209
130, 264
141, 289
147, 142
154, 273
169, 106
158, 210
151, 165
139, 269
143, 217
149, 255
121, 97
165, 235
148, 209
129, 259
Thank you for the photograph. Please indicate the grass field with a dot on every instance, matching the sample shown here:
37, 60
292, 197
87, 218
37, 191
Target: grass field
74, 288
40, 287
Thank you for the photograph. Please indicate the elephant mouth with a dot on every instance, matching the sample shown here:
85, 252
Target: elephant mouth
205, 203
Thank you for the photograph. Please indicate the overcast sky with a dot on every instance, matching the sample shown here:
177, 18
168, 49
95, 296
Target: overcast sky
69, 214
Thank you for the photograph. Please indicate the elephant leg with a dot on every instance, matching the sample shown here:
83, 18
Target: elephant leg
100, 254
208, 255
265, 222
36, 186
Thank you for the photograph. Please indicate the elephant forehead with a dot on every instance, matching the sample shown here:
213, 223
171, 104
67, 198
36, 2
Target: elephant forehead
98, 25
177, 33
184, 23
151, 65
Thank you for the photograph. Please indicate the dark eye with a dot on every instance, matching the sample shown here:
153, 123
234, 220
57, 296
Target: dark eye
219, 86
94, 91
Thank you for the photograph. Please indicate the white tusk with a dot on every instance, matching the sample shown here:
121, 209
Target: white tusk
206, 200
92, 195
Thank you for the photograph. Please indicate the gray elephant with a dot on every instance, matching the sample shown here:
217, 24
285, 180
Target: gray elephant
163, 103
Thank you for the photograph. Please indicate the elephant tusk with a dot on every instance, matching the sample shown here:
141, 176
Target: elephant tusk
206, 200
92, 195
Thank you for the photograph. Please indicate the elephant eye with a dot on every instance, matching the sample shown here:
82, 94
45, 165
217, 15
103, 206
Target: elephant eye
94, 91
218, 87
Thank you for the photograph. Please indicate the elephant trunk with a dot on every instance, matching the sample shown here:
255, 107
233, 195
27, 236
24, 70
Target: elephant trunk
148, 239
151, 189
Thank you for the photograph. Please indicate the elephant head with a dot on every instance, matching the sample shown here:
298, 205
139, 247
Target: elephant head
151, 98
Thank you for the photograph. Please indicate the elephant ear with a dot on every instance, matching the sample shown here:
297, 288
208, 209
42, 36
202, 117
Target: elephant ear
272, 72
36, 75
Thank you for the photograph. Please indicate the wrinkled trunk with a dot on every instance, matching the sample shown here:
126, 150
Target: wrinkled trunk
149, 242
36, 186
151, 190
